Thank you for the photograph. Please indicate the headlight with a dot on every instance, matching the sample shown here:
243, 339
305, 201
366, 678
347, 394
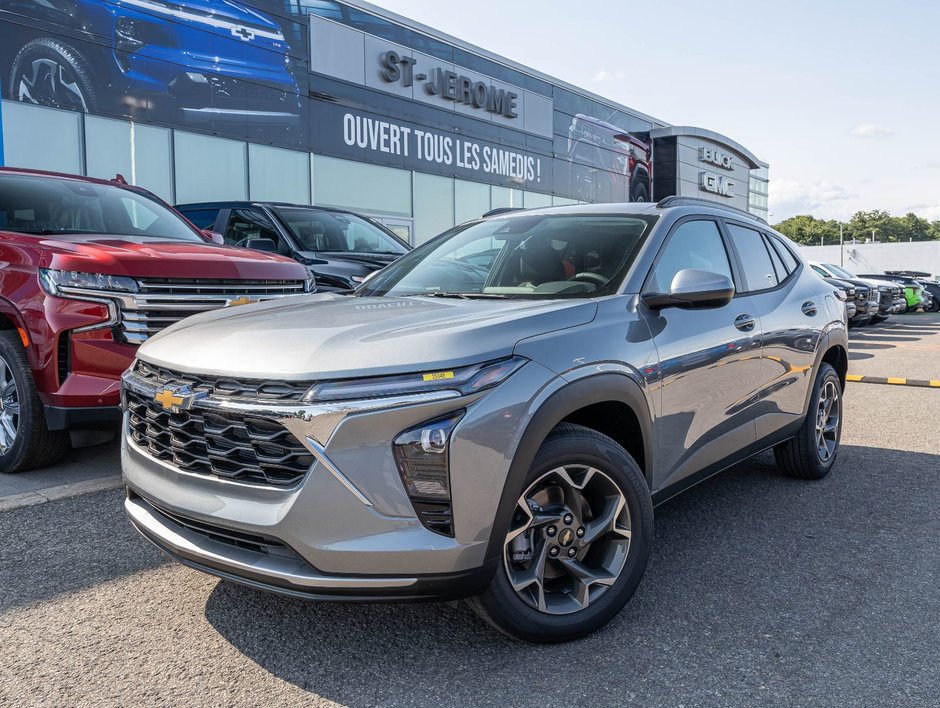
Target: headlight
65, 282
310, 284
466, 380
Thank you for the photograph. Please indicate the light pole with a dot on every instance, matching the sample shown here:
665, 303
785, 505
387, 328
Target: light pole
841, 247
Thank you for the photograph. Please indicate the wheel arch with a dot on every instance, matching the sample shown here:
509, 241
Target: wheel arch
586, 402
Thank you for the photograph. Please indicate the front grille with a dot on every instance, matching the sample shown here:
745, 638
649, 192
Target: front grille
231, 537
228, 445
161, 302
223, 386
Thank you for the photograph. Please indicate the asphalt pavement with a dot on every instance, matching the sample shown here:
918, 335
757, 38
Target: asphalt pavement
761, 589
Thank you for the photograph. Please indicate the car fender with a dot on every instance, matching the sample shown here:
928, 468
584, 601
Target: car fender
834, 334
597, 388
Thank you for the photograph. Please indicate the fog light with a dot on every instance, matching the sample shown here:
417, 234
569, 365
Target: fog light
422, 455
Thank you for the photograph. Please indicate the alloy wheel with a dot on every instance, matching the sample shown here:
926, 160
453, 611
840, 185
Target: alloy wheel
9, 408
569, 539
48, 83
828, 415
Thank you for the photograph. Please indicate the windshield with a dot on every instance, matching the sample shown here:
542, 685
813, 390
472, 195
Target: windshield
336, 232
839, 272
49, 205
538, 256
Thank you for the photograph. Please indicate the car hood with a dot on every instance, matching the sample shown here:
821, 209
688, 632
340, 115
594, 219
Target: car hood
333, 336
150, 257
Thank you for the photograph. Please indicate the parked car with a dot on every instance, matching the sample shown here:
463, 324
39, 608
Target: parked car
91, 270
931, 287
914, 291
124, 54
891, 295
845, 291
341, 248
498, 432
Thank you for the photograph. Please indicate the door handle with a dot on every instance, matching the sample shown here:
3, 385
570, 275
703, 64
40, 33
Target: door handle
809, 308
745, 323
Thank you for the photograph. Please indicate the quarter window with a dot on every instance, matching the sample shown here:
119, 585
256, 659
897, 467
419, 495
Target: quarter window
694, 244
789, 261
758, 269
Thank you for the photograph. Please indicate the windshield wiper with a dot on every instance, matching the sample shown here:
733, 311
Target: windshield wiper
464, 296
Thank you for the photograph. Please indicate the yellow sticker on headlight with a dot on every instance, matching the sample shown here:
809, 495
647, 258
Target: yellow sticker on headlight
439, 376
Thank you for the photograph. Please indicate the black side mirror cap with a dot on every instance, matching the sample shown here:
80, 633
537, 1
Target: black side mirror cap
261, 244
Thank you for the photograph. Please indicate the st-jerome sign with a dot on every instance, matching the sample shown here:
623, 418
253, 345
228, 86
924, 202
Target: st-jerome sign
449, 85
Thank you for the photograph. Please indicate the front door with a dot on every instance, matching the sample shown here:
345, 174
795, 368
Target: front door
709, 360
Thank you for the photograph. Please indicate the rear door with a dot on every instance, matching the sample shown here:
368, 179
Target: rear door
709, 359
793, 313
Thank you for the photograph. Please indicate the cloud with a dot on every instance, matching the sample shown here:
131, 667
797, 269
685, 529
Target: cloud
869, 130
825, 200
602, 75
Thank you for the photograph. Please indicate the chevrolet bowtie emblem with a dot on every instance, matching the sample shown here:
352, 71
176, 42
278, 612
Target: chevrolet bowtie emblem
243, 300
178, 399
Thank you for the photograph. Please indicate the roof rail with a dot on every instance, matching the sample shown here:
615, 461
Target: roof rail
699, 201
501, 210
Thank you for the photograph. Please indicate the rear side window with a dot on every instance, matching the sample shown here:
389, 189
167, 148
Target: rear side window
694, 244
786, 255
759, 273
202, 218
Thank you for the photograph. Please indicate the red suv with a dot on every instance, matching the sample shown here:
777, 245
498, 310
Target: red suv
89, 269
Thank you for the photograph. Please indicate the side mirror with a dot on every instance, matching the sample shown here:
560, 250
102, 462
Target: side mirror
214, 236
261, 244
693, 288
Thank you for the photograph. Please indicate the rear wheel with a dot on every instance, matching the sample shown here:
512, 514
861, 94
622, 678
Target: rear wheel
578, 543
25, 441
812, 453
50, 73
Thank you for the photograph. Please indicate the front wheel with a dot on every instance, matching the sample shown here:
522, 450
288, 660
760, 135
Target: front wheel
25, 441
812, 453
578, 543
50, 73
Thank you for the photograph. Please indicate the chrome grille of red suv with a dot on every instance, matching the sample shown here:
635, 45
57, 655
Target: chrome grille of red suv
161, 302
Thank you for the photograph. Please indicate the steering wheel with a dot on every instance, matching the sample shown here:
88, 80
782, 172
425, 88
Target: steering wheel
587, 277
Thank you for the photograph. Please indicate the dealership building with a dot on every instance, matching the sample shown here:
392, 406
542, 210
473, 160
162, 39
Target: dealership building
332, 103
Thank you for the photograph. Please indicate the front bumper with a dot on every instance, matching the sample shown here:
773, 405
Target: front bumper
347, 527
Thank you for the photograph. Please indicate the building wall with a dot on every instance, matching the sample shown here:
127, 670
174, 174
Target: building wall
923, 256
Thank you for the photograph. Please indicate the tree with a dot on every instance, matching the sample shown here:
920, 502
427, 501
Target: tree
808, 230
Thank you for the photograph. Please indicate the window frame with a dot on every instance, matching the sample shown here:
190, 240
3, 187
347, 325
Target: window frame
765, 235
732, 262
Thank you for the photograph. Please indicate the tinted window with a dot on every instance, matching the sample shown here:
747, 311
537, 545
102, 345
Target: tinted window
520, 256
244, 224
758, 269
45, 205
203, 218
789, 260
694, 244
779, 267
337, 232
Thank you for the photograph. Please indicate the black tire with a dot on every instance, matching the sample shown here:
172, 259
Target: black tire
875, 319
639, 193
50, 73
34, 445
505, 609
934, 306
800, 456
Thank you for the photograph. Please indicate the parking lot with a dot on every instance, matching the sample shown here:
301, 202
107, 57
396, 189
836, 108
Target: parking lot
761, 589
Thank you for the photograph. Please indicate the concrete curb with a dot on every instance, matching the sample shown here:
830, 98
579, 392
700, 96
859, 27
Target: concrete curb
63, 491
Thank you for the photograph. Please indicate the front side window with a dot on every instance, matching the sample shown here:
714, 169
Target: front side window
694, 244
520, 256
48, 205
759, 273
337, 232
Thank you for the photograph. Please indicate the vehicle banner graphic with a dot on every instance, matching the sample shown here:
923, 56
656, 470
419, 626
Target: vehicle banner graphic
242, 69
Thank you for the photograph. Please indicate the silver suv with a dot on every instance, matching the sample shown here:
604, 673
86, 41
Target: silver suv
492, 417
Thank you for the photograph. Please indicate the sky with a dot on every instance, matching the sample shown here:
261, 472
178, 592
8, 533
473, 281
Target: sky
840, 97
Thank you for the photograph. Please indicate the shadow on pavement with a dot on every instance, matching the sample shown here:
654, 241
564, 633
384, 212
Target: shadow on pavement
60, 547
758, 584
